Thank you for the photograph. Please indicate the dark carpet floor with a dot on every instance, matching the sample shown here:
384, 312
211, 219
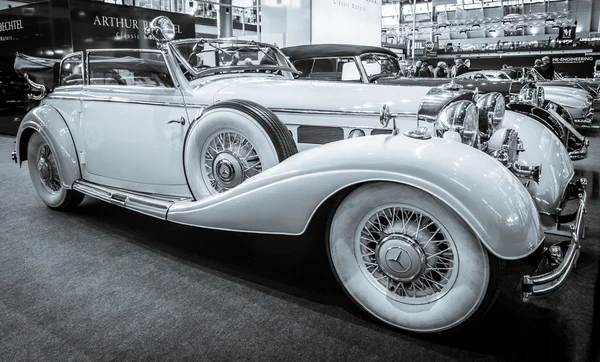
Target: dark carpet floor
104, 283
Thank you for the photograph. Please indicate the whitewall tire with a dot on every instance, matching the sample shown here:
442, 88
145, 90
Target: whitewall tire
409, 261
231, 142
44, 170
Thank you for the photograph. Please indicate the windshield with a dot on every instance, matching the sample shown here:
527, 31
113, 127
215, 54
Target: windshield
379, 64
201, 58
534, 75
497, 76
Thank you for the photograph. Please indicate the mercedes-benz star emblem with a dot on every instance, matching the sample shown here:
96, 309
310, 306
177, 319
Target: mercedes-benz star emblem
400, 260
224, 171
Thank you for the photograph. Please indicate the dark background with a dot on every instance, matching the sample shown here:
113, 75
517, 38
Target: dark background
55, 28
581, 68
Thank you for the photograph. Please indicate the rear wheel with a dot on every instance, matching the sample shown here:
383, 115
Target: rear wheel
409, 261
232, 142
45, 175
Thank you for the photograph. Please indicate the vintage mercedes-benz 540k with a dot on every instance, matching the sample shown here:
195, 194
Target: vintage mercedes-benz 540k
419, 224
376, 65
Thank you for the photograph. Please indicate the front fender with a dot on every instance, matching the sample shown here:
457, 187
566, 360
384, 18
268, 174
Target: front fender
284, 198
47, 121
542, 147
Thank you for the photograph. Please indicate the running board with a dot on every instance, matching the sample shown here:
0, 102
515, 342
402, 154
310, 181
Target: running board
148, 204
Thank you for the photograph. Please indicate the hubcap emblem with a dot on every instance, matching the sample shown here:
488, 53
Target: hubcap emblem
44, 170
398, 259
401, 258
225, 170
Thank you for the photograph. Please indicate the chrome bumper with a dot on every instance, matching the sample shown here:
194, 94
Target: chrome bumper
582, 152
586, 121
561, 258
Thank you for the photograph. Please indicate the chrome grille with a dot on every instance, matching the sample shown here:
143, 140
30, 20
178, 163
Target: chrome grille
319, 135
381, 131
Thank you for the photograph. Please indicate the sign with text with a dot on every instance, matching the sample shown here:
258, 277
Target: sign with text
425, 48
566, 33
572, 60
30, 28
346, 22
102, 25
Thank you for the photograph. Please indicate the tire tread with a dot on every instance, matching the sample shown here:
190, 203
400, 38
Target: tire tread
276, 130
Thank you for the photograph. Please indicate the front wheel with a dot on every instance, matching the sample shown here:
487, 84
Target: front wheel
45, 175
409, 261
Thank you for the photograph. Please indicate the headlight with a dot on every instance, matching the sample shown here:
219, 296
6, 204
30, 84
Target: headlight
533, 94
492, 107
355, 133
541, 96
460, 117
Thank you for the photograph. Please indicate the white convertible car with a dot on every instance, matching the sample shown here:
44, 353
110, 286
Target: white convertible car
578, 101
420, 217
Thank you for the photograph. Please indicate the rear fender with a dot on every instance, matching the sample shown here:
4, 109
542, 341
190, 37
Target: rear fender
284, 198
48, 122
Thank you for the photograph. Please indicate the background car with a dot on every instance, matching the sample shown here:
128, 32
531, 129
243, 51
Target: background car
375, 65
583, 95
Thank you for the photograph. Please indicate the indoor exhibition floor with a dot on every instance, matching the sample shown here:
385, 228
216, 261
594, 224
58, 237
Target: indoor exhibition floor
105, 283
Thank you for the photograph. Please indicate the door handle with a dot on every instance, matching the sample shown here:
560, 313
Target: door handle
180, 121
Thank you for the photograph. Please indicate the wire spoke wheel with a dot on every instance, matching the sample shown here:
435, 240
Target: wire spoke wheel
45, 175
406, 258
404, 250
229, 159
47, 169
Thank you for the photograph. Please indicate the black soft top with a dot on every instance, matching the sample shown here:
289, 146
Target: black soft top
301, 52
40, 70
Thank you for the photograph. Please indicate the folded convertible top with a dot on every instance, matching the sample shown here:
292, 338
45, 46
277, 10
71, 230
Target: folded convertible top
43, 71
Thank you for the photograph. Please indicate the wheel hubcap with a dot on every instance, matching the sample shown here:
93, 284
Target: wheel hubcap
406, 254
228, 170
229, 159
44, 169
401, 258
47, 169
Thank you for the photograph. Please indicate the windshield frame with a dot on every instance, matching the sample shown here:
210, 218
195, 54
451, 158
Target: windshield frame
287, 71
394, 60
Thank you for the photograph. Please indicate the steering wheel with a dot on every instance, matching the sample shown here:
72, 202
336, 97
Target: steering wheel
201, 66
374, 77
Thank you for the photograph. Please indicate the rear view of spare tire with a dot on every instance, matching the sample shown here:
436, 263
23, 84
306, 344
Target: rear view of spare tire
232, 141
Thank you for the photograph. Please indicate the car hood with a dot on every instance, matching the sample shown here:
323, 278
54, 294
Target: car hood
568, 97
276, 93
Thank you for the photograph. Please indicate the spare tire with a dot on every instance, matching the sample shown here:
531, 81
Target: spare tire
230, 142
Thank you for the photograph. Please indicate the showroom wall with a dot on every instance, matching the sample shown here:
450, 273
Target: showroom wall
286, 22
296, 22
346, 22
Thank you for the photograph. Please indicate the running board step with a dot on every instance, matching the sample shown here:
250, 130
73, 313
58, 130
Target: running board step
148, 204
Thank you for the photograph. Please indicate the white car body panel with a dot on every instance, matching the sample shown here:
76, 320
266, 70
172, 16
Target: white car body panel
310, 177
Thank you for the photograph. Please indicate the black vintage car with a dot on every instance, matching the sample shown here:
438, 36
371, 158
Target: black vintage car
376, 65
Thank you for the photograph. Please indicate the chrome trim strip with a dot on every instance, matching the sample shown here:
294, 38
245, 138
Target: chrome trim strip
148, 204
336, 113
124, 100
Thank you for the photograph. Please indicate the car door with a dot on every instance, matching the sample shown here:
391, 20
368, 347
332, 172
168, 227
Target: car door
133, 122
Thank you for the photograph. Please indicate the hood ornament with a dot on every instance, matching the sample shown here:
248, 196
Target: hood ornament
476, 94
452, 86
